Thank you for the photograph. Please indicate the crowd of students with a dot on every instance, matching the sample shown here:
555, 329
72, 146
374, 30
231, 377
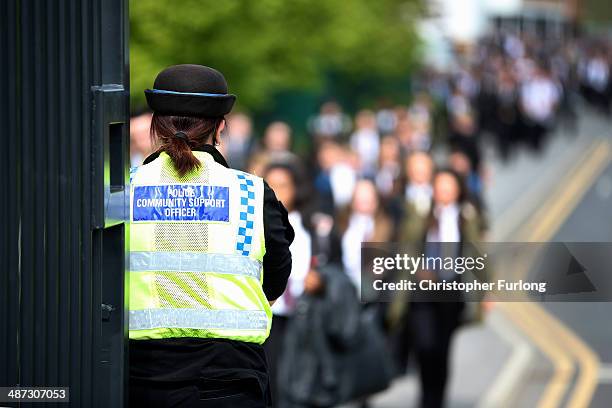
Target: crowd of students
518, 88
373, 177
368, 180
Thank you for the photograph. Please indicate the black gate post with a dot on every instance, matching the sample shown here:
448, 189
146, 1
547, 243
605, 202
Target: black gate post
64, 165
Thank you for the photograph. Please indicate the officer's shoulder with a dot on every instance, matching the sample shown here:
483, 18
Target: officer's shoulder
136, 171
244, 175
144, 169
133, 171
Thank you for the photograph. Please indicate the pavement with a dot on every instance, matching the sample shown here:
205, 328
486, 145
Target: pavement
538, 354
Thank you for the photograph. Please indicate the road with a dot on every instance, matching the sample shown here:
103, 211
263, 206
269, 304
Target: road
544, 354
591, 221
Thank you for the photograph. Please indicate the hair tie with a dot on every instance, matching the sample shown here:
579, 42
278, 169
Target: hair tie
181, 135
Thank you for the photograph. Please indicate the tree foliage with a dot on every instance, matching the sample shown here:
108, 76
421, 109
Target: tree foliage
267, 46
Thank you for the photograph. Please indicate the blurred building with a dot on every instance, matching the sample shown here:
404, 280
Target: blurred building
450, 23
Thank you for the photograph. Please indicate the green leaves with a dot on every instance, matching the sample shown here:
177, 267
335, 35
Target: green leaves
267, 46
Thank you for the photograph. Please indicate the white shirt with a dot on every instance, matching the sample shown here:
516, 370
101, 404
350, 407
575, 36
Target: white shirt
597, 73
360, 229
448, 231
385, 177
448, 224
300, 265
367, 145
539, 98
342, 178
420, 196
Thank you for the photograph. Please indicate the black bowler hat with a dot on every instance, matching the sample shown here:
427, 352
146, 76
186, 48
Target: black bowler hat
190, 90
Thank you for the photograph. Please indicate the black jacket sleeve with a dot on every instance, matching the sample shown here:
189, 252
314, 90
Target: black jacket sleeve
279, 235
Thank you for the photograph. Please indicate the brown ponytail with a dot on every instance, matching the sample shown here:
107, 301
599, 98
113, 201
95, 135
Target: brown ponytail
178, 135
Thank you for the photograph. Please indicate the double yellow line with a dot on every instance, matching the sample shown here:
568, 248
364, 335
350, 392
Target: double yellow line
549, 217
548, 333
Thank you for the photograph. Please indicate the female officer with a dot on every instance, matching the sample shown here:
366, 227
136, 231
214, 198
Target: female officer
209, 253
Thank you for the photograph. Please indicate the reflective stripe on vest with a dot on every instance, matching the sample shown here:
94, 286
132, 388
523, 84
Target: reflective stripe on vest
198, 319
146, 261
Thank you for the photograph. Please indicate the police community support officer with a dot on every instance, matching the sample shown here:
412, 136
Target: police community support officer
209, 251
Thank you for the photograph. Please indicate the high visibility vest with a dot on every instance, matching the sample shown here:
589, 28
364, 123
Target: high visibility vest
196, 253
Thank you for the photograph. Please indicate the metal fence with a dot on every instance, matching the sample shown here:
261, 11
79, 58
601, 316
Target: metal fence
64, 166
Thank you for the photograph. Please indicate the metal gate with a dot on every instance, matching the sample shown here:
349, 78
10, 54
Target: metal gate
63, 171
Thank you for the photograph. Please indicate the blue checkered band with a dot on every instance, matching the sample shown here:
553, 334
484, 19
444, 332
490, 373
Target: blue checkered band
133, 171
247, 213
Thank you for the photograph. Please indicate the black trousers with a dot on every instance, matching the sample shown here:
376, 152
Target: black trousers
204, 393
274, 350
432, 327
